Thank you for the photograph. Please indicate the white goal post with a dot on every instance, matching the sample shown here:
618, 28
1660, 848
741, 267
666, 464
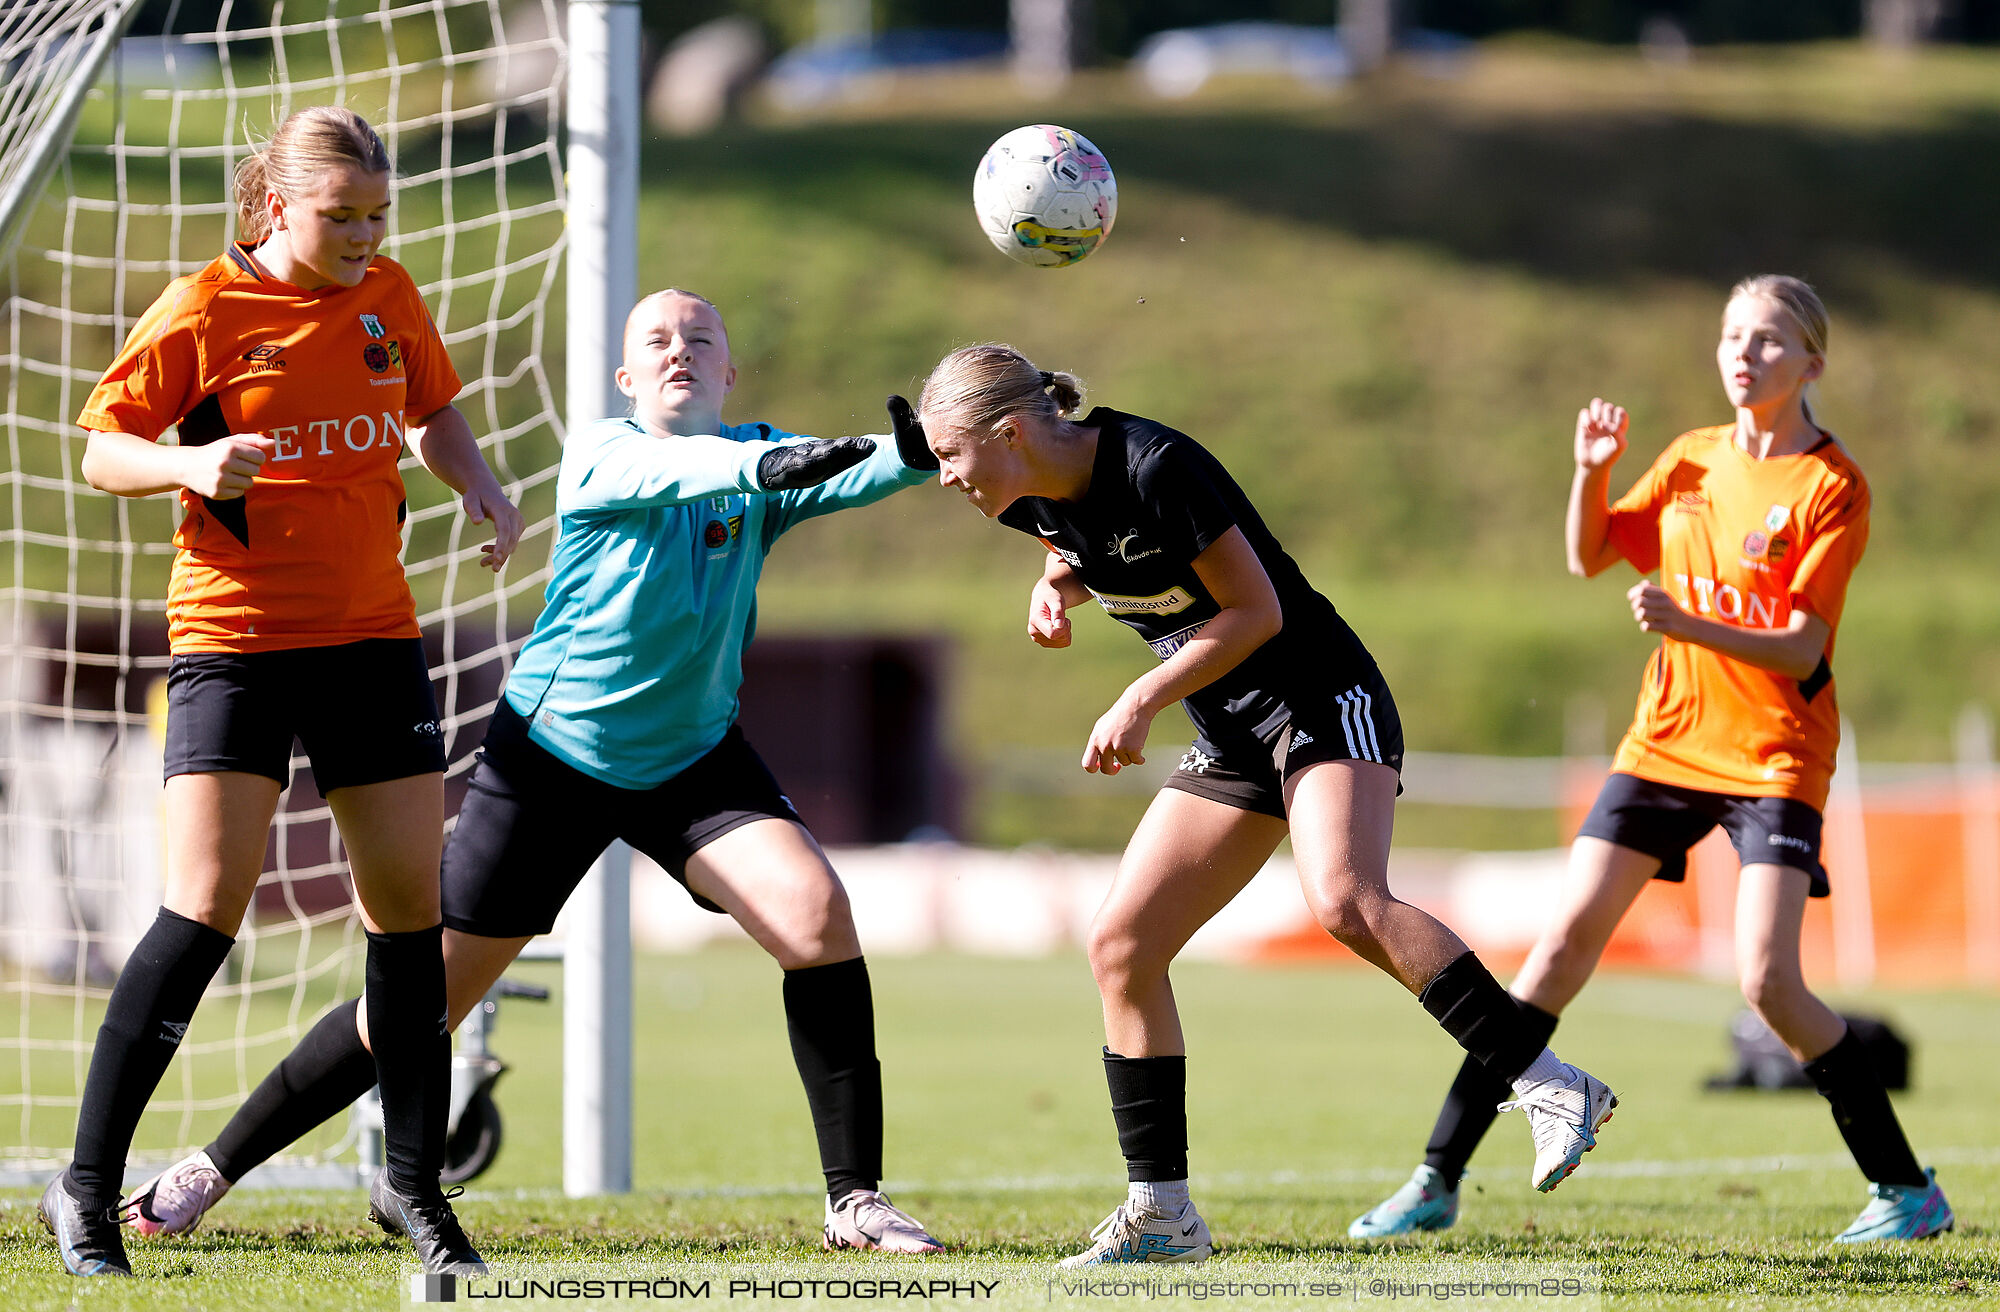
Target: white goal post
115, 152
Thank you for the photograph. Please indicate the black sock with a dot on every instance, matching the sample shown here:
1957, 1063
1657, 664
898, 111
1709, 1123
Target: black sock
411, 1036
150, 1008
1149, 1106
1473, 1008
328, 1070
1470, 1107
830, 1013
1861, 1109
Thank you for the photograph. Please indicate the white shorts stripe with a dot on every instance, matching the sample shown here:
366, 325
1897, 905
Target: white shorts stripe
1368, 719
1347, 726
1357, 709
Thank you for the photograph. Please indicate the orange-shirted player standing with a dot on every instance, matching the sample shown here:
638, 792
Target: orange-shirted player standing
295, 366
1754, 528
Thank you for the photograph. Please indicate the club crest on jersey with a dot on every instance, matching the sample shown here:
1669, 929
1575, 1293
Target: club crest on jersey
372, 325
1124, 546
376, 357
1776, 518
716, 534
1762, 546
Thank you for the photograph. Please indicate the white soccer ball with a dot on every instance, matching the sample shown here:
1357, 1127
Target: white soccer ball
1045, 195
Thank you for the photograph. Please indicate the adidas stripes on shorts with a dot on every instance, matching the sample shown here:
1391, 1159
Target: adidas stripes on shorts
1358, 723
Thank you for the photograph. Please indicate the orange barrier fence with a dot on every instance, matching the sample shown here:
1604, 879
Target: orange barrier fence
1915, 871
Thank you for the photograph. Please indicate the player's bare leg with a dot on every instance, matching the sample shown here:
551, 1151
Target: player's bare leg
772, 878
1770, 913
216, 828
1603, 881
1342, 813
1188, 858
1904, 1200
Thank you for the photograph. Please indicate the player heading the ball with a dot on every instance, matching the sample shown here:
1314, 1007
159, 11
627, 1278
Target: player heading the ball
1295, 734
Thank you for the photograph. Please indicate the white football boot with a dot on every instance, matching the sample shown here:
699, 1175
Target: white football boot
1563, 1115
866, 1220
1132, 1234
174, 1201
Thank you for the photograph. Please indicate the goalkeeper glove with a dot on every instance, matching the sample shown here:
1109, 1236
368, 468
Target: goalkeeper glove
803, 464
910, 443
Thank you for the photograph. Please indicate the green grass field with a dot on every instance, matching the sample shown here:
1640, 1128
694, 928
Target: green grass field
1311, 1092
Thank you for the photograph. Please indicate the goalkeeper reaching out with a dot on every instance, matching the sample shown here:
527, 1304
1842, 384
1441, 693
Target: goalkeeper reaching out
619, 721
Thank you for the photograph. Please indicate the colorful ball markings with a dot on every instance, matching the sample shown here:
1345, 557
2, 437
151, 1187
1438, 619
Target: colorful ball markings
1045, 196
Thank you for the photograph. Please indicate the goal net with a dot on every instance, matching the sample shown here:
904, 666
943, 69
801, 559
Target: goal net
120, 149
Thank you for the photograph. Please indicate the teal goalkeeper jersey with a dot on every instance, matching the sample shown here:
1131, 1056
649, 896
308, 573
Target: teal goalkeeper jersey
632, 671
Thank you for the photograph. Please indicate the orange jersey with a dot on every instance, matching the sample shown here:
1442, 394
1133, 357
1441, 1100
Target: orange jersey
1743, 542
310, 555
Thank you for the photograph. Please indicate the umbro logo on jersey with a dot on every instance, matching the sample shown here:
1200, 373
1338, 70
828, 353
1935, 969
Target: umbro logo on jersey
1689, 503
266, 358
372, 325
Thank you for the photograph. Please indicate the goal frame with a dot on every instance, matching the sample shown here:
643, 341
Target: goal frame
602, 122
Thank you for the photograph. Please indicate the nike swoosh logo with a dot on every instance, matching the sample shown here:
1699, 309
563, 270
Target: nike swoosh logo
1185, 1233
1046, 532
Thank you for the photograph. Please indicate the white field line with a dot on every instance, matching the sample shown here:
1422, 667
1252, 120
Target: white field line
1664, 1168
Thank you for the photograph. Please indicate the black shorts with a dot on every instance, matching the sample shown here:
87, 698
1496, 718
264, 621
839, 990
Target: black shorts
364, 712
1360, 724
1664, 821
532, 824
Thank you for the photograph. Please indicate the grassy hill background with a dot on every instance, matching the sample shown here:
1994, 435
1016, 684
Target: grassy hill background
1381, 308
1382, 311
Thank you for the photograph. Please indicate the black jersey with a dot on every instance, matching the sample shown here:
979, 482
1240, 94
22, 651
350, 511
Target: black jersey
1157, 500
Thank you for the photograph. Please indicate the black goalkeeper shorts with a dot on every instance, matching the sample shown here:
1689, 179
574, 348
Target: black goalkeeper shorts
532, 825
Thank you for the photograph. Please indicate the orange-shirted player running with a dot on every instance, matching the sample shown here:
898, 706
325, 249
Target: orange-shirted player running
1754, 528
295, 367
